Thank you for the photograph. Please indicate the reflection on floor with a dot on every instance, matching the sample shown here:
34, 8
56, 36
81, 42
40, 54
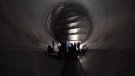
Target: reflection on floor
29, 63
73, 67
92, 63
109, 62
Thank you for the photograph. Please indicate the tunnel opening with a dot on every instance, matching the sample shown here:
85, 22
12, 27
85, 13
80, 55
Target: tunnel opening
69, 22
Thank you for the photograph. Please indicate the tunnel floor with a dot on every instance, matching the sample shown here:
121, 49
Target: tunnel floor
35, 62
73, 67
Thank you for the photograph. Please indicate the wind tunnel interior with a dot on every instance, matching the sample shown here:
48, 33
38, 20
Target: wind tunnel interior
27, 27
69, 22
107, 24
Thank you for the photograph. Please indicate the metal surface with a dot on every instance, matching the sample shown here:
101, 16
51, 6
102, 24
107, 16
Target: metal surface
22, 23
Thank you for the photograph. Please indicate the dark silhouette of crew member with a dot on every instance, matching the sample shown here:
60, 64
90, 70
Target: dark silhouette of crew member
78, 46
74, 46
53, 44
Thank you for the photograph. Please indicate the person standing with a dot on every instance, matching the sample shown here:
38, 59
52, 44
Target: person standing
59, 44
78, 46
74, 46
53, 44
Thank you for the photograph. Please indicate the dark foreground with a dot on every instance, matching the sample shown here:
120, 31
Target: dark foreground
92, 63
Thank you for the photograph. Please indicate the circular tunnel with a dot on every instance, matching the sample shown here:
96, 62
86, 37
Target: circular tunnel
34, 24
69, 22
27, 27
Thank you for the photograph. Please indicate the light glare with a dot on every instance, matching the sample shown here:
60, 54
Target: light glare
73, 37
73, 30
73, 24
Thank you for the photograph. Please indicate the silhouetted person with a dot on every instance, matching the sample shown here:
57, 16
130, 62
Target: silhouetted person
74, 46
72, 49
83, 49
86, 48
63, 47
53, 44
78, 46
60, 52
60, 48
59, 44
50, 49
67, 47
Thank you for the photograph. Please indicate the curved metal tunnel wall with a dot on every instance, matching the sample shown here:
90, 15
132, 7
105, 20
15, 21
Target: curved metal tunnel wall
22, 23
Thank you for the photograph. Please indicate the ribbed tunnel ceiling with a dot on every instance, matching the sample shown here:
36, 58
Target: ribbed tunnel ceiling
70, 23
22, 23
73, 31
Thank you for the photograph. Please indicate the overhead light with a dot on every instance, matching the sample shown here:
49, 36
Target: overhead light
73, 24
73, 37
72, 18
73, 31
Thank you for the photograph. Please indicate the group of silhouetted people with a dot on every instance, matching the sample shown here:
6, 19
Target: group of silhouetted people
71, 48
50, 49
66, 49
